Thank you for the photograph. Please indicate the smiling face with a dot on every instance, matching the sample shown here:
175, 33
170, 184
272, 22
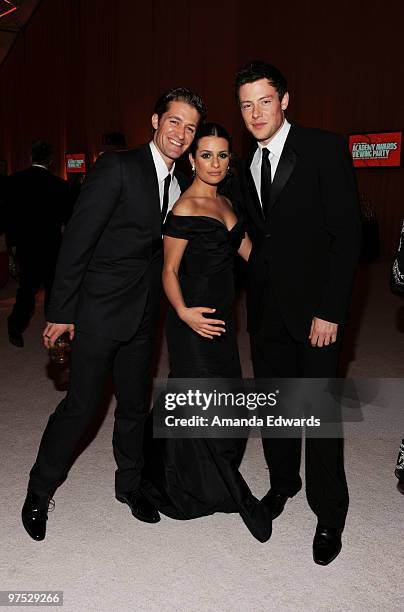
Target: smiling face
212, 158
175, 130
262, 110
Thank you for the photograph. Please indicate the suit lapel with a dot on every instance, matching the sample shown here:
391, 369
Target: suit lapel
286, 166
149, 176
253, 200
283, 172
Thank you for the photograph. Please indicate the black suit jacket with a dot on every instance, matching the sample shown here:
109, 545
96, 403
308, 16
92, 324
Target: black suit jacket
36, 207
307, 249
111, 256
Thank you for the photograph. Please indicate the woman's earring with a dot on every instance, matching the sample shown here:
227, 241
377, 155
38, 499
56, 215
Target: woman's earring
193, 171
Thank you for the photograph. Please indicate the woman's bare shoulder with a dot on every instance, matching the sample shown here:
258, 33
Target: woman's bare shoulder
184, 206
227, 203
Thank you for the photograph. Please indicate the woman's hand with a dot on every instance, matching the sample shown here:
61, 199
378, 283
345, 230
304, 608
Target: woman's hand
205, 327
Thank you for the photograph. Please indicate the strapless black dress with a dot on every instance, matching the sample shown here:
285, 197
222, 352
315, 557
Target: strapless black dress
187, 478
207, 279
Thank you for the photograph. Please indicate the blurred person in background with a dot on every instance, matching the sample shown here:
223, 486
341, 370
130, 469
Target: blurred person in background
37, 205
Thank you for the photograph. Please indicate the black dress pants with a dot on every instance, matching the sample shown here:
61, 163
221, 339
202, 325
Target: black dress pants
92, 358
35, 270
276, 354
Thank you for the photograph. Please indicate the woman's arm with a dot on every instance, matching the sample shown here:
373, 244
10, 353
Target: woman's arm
207, 328
245, 248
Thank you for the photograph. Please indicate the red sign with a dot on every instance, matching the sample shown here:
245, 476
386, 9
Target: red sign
75, 162
376, 150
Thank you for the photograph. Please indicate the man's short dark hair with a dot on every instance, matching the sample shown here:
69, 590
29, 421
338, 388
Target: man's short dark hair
180, 94
41, 152
256, 70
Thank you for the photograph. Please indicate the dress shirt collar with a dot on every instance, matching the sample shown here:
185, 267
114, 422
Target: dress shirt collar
276, 144
40, 166
160, 164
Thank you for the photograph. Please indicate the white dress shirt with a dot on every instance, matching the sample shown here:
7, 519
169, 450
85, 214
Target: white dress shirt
275, 148
162, 173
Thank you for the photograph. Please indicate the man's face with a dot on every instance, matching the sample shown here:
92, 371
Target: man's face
175, 130
262, 111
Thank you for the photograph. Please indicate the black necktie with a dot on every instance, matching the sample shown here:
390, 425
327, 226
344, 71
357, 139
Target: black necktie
265, 182
167, 182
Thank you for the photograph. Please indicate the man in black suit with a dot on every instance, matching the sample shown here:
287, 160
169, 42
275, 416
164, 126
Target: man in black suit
37, 206
106, 294
300, 201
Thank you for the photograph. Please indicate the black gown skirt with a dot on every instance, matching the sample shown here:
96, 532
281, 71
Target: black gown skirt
188, 478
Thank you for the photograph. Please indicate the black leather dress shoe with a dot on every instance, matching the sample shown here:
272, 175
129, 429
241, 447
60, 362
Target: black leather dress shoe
400, 484
140, 506
16, 339
275, 502
326, 544
257, 519
34, 515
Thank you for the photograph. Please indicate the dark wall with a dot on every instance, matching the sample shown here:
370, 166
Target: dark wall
85, 68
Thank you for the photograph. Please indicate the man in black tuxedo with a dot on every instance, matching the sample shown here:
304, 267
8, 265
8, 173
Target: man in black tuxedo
37, 205
300, 201
106, 294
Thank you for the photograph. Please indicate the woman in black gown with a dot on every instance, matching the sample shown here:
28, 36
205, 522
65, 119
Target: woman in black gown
188, 478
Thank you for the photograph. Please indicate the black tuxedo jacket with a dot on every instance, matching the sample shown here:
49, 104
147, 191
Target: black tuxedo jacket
37, 204
307, 249
111, 256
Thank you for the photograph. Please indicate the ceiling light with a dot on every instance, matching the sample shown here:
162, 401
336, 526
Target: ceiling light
6, 7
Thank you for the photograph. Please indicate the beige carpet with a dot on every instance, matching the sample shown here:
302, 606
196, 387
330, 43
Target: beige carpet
105, 560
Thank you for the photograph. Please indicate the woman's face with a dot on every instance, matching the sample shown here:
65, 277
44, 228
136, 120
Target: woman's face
211, 159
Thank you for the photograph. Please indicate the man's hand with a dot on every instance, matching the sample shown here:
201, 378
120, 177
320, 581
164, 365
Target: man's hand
322, 333
52, 332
